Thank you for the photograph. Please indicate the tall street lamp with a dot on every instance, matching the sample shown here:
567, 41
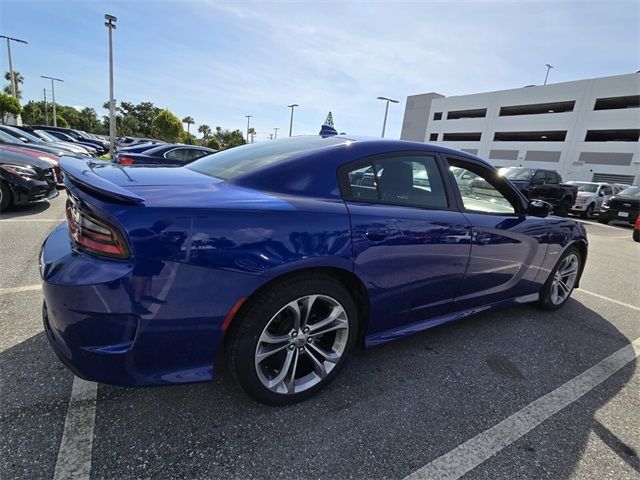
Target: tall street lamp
11, 77
275, 132
111, 24
53, 97
248, 120
386, 112
292, 106
549, 67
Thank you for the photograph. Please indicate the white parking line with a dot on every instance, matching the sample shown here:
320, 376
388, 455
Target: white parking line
477, 450
31, 220
74, 455
612, 300
26, 288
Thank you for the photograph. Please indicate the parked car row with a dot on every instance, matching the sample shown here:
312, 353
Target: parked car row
165, 155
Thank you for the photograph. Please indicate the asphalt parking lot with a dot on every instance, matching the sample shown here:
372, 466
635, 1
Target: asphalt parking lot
503, 395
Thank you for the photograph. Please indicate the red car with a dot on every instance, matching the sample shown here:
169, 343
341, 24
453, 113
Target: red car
636, 230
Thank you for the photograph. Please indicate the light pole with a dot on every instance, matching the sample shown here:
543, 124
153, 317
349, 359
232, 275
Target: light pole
53, 96
11, 77
46, 107
386, 112
111, 24
549, 67
275, 130
248, 120
292, 106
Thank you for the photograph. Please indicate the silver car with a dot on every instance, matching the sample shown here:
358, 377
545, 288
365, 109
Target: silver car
590, 198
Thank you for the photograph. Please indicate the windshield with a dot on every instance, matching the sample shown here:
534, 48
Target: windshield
517, 173
631, 191
240, 160
5, 137
586, 187
45, 136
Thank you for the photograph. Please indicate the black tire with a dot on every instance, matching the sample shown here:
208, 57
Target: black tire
563, 208
636, 235
588, 213
253, 319
5, 197
545, 302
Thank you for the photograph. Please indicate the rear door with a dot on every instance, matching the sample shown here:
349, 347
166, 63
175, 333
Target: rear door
507, 246
410, 244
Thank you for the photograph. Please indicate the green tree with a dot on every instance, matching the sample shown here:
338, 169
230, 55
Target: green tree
227, 138
189, 138
9, 107
19, 79
167, 126
62, 122
205, 130
88, 120
33, 113
212, 143
189, 121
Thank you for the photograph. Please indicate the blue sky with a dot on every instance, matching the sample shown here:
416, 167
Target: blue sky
220, 61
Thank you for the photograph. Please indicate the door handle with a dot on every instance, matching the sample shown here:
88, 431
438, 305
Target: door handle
482, 238
376, 233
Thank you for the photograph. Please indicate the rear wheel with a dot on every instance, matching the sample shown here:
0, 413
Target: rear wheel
5, 196
292, 339
562, 210
558, 287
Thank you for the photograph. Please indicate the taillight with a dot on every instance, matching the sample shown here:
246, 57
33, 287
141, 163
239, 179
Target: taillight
125, 160
94, 235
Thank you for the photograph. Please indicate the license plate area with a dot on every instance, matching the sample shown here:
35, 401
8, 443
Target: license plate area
623, 214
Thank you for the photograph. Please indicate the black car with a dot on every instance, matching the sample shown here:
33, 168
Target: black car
168, 155
9, 134
24, 179
540, 184
625, 206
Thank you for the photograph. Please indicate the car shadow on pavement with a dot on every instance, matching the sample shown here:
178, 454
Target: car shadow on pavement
26, 210
393, 408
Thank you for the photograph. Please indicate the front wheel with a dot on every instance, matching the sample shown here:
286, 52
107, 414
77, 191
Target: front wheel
561, 282
5, 197
292, 339
589, 212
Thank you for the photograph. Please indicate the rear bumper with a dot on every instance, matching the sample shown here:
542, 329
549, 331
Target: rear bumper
96, 329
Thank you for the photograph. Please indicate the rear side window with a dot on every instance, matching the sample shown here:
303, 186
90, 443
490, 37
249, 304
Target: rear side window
248, 158
413, 181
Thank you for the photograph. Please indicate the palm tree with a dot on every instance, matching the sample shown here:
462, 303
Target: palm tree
189, 121
205, 130
19, 79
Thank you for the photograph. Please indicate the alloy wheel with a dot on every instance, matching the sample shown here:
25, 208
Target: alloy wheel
564, 279
301, 344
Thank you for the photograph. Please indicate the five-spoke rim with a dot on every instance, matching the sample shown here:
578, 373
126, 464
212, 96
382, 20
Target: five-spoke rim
564, 279
301, 344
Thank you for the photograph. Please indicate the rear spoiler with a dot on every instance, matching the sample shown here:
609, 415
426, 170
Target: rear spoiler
82, 173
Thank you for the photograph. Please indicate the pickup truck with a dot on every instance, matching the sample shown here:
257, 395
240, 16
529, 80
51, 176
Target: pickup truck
544, 185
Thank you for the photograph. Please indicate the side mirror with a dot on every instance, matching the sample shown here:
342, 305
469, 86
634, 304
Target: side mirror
601, 193
539, 208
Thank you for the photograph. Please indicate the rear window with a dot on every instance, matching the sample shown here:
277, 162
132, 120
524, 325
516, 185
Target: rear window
247, 158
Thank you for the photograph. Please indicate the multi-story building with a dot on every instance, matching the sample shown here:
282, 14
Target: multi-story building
586, 129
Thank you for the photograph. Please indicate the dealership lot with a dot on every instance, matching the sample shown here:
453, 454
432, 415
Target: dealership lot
391, 413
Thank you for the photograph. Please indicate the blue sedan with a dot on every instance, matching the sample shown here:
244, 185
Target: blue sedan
166, 155
284, 255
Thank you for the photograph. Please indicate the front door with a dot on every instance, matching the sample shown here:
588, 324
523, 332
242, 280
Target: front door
410, 246
507, 246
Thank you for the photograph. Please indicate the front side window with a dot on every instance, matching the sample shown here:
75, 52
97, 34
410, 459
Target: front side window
479, 194
412, 181
607, 190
